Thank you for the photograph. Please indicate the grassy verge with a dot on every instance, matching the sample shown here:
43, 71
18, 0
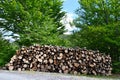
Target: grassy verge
113, 76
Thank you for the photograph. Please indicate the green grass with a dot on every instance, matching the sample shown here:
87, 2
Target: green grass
113, 76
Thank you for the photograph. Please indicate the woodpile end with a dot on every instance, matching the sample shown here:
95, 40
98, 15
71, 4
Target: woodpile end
62, 60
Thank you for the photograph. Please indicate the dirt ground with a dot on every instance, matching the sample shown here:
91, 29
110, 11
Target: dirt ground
31, 75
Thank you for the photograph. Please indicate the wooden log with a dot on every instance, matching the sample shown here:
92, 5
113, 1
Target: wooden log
19, 69
94, 72
76, 64
75, 72
25, 65
20, 57
51, 61
11, 67
40, 60
63, 67
84, 71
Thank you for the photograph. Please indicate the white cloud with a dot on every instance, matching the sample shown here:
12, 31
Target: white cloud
8, 35
68, 18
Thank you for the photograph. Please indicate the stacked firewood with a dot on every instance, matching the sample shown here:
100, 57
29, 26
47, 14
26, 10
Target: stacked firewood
59, 59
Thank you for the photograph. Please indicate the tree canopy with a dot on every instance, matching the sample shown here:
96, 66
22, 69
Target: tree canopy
97, 12
35, 21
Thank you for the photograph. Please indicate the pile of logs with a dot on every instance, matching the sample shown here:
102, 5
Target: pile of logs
59, 59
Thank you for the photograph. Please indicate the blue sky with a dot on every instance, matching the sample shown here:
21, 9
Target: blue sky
70, 6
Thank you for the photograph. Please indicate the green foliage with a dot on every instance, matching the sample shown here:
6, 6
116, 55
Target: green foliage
99, 23
116, 65
97, 12
7, 50
36, 21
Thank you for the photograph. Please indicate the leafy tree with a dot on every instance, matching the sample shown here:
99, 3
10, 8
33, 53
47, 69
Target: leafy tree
99, 23
7, 50
36, 21
97, 12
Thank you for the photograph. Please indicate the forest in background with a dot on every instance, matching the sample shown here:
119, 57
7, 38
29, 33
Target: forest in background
39, 22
